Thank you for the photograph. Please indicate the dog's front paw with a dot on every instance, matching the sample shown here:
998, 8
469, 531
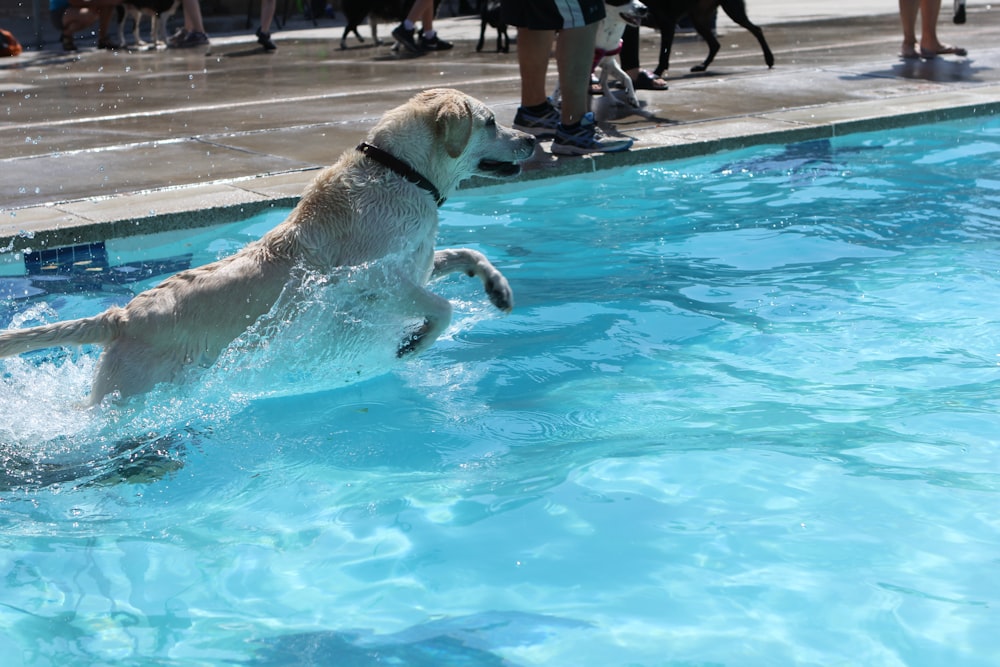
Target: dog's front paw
499, 291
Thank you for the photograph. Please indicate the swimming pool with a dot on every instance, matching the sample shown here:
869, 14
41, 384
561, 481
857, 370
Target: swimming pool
744, 412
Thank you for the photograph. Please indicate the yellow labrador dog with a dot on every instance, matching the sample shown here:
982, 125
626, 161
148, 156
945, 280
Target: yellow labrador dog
378, 202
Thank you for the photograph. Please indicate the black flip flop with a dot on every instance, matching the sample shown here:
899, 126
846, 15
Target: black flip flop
648, 81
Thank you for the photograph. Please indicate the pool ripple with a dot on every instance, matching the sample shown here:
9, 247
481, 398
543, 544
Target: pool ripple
744, 412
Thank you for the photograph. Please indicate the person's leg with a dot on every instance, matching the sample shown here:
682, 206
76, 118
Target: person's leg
82, 14
930, 45
908, 19
264, 31
267, 14
74, 20
422, 11
193, 34
534, 47
574, 58
578, 133
106, 14
536, 114
930, 10
192, 16
629, 56
641, 79
78, 19
403, 33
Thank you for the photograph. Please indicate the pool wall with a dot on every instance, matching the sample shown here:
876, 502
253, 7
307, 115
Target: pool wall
538, 168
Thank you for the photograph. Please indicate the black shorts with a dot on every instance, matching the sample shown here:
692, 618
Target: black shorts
551, 14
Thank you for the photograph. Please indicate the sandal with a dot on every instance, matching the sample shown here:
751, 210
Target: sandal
595, 86
942, 50
646, 80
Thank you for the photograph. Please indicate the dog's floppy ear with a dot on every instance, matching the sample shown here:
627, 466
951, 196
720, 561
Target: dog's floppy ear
454, 125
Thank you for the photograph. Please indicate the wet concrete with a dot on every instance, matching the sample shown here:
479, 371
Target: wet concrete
101, 144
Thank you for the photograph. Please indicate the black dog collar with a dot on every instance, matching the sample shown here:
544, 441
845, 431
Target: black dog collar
406, 171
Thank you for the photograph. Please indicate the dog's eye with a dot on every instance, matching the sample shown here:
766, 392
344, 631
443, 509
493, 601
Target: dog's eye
491, 122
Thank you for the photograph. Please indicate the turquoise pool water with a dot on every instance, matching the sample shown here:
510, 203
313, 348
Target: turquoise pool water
745, 412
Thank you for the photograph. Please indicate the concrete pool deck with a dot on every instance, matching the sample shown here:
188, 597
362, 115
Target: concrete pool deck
103, 144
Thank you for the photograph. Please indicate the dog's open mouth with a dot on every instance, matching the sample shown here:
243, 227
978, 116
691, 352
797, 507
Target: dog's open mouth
633, 19
498, 168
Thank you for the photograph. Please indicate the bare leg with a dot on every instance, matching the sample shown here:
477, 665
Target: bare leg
574, 57
534, 47
929, 12
267, 14
102, 29
264, 31
908, 19
192, 16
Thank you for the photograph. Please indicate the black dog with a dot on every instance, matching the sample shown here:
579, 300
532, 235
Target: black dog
666, 12
489, 11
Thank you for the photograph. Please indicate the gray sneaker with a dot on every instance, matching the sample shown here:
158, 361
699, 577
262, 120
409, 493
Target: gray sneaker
586, 138
542, 126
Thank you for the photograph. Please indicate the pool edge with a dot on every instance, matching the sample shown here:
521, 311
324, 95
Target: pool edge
99, 219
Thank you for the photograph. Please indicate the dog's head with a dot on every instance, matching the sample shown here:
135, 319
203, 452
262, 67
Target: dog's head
448, 136
630, 11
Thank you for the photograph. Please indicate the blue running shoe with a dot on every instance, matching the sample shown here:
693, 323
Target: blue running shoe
541, 125
586, 138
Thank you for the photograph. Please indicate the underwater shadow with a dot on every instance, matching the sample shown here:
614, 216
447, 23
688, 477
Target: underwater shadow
937, 70
139, 460
450, 642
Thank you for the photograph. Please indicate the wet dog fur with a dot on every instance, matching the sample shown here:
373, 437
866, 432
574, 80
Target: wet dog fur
354, 212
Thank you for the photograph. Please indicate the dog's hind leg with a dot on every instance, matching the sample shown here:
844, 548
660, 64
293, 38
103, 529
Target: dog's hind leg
737, 11
130, 367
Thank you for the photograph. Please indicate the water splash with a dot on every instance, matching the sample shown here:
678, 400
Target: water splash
325, 332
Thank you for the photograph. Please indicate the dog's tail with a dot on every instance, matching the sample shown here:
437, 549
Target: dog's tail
97, 330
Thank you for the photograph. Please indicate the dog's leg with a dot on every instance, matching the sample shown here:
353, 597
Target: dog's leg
705, 31
604, 79
131, 368
474, 263
435, 310
154, 22
121, 28
610, 67
667, 22
737, 11
139, 41
161, 23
